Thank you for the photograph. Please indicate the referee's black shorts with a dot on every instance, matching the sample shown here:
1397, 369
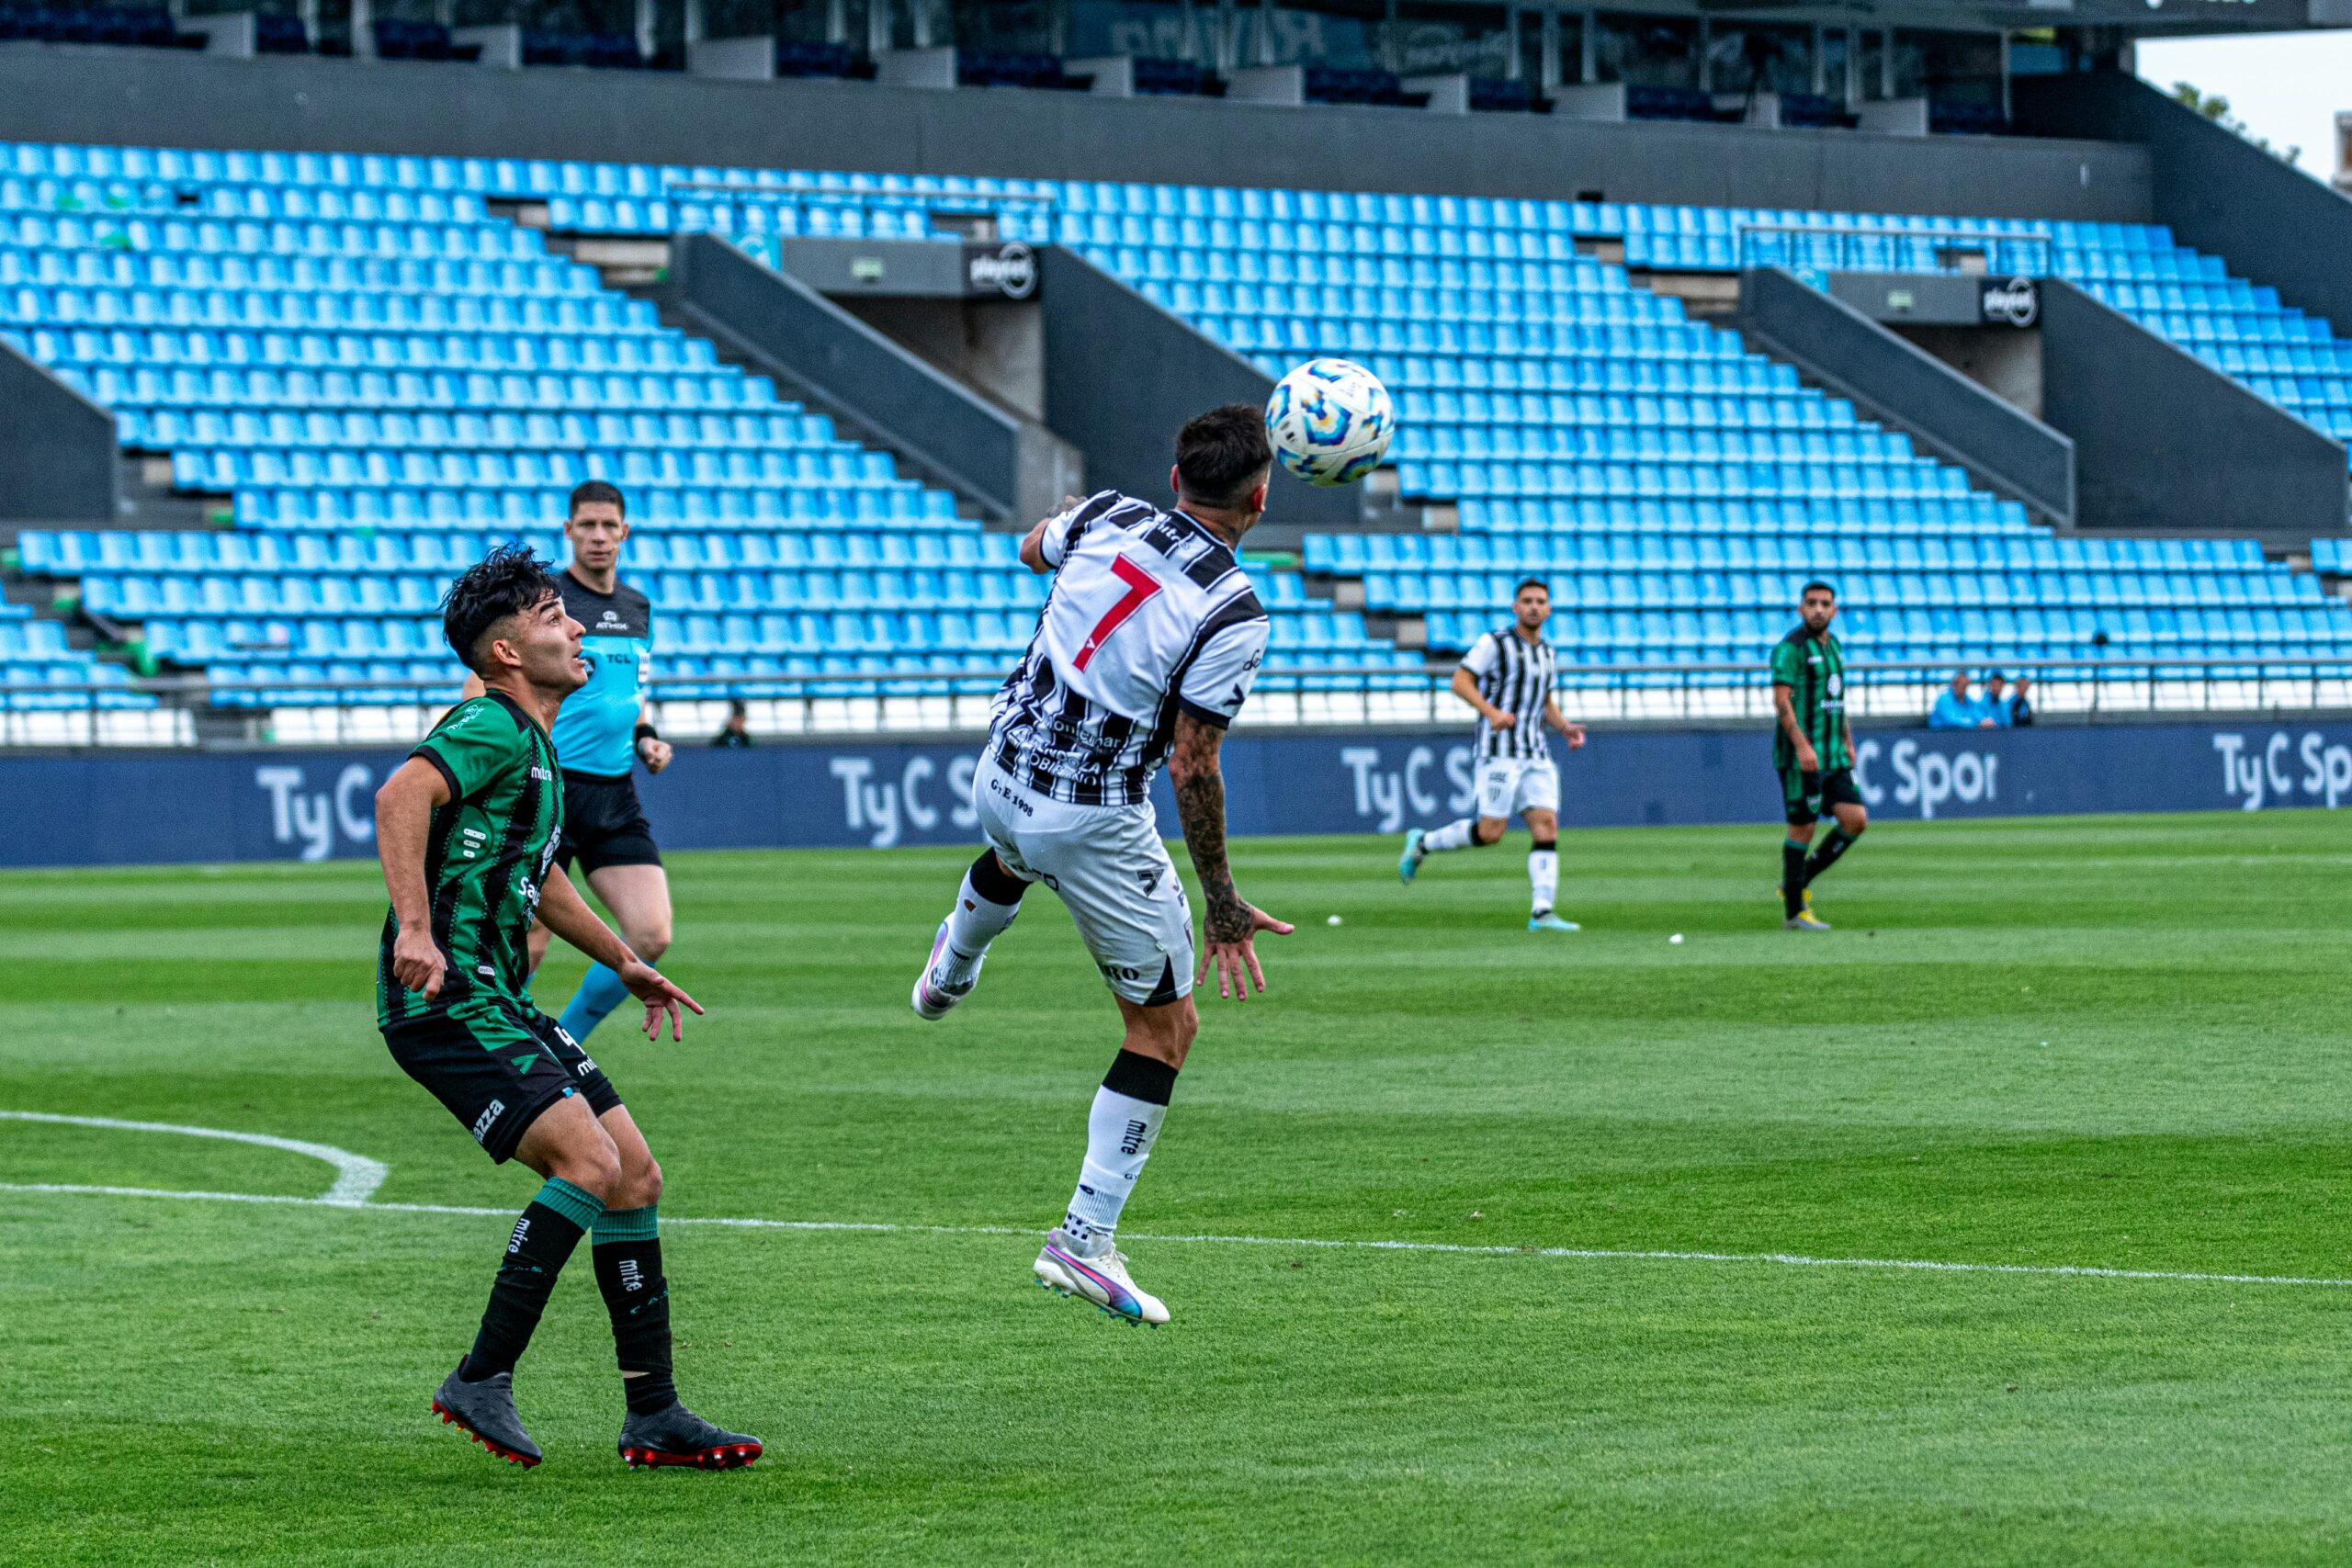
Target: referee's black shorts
603, 825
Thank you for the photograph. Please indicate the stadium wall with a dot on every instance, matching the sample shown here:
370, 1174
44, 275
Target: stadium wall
158, 97
2220, 193
101, 809
57, 461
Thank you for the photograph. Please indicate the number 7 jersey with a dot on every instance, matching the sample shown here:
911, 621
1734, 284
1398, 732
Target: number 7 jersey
1149, 615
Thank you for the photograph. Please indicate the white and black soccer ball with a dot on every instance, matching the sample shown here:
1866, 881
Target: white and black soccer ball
1330, 422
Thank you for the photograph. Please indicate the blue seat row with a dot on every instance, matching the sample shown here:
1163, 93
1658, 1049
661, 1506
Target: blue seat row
942, 546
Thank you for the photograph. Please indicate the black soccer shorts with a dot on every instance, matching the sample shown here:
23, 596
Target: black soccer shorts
497, 1066
604, 825
1808, 797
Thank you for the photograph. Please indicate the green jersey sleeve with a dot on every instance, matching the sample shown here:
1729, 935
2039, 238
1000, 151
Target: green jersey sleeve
1788, 663
478, 741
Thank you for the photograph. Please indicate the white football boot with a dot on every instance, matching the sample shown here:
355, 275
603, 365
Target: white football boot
933, 994
1103, 1279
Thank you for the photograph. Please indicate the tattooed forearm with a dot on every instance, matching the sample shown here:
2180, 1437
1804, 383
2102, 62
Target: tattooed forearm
1200, 807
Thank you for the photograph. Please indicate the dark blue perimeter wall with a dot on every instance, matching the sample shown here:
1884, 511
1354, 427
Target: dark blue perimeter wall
148, 808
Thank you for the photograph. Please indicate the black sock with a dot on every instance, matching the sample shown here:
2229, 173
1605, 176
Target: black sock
990, 881
1791, 877
1836, 844
551, 1226
628, 1256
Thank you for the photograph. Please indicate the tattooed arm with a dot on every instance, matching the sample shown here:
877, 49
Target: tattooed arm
1229, 924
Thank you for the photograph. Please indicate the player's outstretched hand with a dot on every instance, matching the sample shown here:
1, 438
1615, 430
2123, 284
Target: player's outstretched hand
1237, 961
655, 753
662, 1000
1575, 734
417, 962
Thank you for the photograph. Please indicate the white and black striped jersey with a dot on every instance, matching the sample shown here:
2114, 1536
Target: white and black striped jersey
1517, 676
1150, 615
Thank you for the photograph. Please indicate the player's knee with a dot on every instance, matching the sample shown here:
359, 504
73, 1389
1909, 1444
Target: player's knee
1489, 830
1855, 822
638, 1188
1164, 1033
593, 1167
650, 939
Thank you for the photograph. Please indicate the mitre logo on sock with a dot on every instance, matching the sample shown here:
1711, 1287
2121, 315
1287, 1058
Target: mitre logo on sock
522, 1233
1132, 1142
632, 1279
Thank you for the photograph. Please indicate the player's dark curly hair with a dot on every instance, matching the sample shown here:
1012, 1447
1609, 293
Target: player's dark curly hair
507, 582
1222, 455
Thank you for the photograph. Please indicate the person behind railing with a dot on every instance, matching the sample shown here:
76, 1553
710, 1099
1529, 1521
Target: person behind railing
736, 734
1996, 699
1956, 708
2020, 709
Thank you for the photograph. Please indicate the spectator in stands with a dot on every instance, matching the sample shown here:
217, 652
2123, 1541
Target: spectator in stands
2020, 706
1996, 699
737, 734
1956, 709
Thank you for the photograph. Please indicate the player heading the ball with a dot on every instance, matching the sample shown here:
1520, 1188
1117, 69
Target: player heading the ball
1146, 650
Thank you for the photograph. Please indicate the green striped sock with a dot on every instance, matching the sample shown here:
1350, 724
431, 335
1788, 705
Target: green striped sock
581, 1207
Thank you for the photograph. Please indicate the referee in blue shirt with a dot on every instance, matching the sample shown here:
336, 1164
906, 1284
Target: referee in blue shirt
603, 730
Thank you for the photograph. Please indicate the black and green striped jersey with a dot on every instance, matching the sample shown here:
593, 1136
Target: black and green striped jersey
1815, 671
484, 858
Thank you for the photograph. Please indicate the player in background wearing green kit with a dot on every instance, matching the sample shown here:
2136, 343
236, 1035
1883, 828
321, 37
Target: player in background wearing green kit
467, 830
1813, 748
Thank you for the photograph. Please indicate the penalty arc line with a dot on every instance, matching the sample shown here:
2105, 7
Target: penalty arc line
1587, 1254
356, 1176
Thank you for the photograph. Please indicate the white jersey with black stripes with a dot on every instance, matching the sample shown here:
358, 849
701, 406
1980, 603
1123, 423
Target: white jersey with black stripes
1149, 615
1518, 676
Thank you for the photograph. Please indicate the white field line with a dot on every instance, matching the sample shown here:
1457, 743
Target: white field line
356, 1176
1593, 1254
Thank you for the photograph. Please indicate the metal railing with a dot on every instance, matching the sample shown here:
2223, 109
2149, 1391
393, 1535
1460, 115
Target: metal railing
219, 711
1855, 247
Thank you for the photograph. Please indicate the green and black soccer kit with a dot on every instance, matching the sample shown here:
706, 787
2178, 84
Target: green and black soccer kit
484, 1050
1813, 669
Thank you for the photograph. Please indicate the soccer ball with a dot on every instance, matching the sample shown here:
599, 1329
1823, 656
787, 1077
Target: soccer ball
1331, 421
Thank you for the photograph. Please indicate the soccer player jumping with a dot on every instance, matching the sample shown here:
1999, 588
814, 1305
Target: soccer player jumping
1510, 676
467, 830
1146, 650
1812, 747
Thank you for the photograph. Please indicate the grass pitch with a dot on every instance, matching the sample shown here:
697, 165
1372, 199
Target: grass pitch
2113, 1044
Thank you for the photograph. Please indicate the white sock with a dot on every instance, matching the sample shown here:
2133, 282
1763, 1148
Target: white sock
1544, 871
973, 924
1120, 1131
1456, 835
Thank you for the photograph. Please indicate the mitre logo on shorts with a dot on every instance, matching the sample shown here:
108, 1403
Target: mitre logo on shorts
490, 1113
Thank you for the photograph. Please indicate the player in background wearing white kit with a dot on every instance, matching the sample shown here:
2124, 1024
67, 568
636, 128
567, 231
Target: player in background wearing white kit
1146, 650
1510, 677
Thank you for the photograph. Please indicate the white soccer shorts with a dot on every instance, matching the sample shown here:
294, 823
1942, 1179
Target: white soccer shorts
1509, 786
1110, 868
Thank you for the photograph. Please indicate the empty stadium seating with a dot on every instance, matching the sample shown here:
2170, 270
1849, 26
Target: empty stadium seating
384, 374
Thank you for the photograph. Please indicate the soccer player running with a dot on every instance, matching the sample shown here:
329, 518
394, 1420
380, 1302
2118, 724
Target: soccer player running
1145, 651
1510, 676
605, 730
1812, 747
467, 830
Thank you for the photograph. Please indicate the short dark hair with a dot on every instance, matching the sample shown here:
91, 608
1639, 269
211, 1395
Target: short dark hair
1816, 585
1221, 454
1527, 583
509, 580
587, 493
